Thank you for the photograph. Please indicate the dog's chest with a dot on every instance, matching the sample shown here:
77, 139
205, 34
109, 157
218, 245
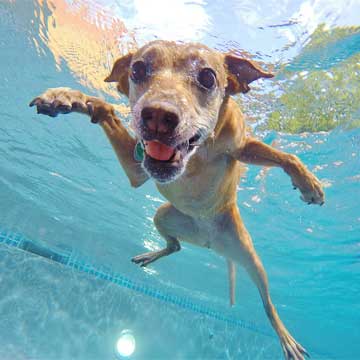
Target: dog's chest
198, 191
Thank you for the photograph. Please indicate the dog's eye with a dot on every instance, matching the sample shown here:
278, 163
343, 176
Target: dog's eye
138, 71
207, 78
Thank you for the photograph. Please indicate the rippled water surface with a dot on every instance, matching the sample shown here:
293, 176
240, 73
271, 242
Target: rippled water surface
63, 195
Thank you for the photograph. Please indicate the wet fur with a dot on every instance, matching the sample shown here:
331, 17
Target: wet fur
202, 207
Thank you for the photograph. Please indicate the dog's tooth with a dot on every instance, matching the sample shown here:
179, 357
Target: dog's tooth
177, 156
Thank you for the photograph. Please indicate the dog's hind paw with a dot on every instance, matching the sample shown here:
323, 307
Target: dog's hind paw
147, 258
292, 350
150, 257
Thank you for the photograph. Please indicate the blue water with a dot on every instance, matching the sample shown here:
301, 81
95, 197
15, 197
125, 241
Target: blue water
70, 222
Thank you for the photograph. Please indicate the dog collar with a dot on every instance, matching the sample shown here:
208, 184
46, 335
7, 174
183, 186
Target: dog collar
139, 151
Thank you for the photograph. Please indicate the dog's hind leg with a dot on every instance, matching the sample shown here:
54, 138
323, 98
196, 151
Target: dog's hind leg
172, 225
232, 280
235, 243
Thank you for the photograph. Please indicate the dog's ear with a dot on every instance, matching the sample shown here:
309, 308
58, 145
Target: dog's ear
120, 74
240, 73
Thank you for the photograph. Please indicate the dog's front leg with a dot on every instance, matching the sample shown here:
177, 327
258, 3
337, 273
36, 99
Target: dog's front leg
65, 100
257, 153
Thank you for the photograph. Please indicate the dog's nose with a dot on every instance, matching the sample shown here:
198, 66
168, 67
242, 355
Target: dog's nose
159, 120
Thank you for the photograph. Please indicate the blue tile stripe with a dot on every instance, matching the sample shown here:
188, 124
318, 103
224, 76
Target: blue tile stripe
68, 259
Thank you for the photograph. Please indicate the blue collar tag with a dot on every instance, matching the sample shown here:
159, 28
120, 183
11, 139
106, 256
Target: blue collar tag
139, 152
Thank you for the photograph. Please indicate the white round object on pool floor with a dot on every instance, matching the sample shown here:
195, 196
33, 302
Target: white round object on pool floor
125, 345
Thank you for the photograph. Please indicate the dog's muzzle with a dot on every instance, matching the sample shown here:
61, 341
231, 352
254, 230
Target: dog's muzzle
166, 150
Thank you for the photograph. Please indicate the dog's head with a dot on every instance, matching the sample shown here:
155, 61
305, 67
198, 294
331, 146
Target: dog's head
175, 92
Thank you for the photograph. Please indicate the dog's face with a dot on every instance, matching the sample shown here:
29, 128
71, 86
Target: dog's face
175, 93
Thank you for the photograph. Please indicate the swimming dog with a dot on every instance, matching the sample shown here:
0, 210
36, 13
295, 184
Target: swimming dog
190, 138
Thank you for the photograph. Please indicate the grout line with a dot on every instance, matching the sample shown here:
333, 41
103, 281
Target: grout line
17, 240
70, 260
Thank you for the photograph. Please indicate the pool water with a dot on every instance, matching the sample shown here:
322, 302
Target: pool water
70, 222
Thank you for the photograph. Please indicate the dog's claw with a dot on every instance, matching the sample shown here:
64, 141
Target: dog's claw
302, 179
90, 108
141, 262
293, 350
150, 257
59, 101
313, 194
144, 261
35, 101
65, 100
311, 191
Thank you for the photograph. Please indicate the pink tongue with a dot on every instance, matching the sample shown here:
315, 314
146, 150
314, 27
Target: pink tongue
158, 150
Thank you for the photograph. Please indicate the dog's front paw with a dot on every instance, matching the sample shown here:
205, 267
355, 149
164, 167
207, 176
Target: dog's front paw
99, 110
60, 101
311, 189
302, 179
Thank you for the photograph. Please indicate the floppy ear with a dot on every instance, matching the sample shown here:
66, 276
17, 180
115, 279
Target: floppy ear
120, 74
241, 73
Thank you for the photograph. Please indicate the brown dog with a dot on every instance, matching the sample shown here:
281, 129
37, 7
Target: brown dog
193, 137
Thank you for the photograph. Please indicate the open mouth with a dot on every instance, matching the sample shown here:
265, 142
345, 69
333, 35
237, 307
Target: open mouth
165, 153
165, 163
